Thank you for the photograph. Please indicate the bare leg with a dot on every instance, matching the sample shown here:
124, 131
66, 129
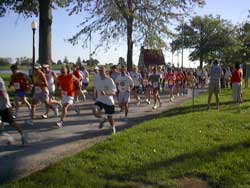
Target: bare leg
209, 100
64, 111
217, 101
126, 108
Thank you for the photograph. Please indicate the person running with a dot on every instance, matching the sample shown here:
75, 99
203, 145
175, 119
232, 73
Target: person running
180, 77
154, 79
51, 77
171, 78
106, 90
6, 111
214, 85
21, 83
78, 75
96, 78
66, 83
137, 79
85, 81
236, 81
147, 88
41, 91
124, 84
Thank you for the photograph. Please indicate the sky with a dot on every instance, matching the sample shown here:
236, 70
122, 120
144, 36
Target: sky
16, 34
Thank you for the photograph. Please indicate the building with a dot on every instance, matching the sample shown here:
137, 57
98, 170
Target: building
150, 58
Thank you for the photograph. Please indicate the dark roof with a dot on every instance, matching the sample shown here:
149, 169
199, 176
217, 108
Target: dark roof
153, 57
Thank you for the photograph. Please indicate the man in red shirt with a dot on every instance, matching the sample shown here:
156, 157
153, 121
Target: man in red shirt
236, 81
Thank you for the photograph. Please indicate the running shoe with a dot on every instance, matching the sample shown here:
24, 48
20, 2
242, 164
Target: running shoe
114, 129
154, 107
59, 124
24, 139
45, 116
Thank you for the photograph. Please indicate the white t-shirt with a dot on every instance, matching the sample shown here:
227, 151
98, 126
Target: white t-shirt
85, 75
4, 97
124, 83
108, 86
136, 77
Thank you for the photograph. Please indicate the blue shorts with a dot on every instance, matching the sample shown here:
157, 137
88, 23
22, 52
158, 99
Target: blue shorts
21, 94
124, 97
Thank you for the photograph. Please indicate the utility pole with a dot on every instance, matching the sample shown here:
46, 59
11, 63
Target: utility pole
182, 40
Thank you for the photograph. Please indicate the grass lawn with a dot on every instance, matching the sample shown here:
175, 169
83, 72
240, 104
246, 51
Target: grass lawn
183, 142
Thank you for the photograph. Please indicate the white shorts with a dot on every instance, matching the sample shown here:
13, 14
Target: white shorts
67, 100
124, 97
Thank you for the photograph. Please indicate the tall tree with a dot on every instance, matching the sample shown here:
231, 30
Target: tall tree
137, 20
43, 9
206, 36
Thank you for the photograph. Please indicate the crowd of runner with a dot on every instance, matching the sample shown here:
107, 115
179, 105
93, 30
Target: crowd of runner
110, 87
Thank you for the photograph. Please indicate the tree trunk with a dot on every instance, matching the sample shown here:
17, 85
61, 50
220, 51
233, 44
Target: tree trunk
130, 44
45, 22
201, 60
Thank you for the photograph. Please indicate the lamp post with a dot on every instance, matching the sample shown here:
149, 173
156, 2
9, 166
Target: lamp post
33, 26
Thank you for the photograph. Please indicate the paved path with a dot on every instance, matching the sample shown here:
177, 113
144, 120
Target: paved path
48, 144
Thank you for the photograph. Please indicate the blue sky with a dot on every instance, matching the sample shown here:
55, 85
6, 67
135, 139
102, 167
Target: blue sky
16, 34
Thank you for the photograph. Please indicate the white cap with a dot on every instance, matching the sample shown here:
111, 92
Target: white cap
96, 68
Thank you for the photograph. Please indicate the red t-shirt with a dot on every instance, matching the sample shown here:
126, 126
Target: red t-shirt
66, 83
20, 81
236, 76
170, 78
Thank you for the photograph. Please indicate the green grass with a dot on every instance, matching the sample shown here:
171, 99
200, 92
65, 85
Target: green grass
182, 142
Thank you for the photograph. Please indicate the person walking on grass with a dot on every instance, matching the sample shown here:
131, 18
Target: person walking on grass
236, 81
124, 84
21, 83
214, 85
41, 92
154, 79
6, 111
66, 84
106, 90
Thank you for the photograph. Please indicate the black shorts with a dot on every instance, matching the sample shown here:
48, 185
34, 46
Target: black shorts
85, 84
109, 109
6, 115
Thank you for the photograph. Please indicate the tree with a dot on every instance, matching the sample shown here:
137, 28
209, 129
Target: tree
121, 61
65, 61
43, 9
5, 61
23, 61
207, 36
92, 62
59, 62
78, 61
137, 20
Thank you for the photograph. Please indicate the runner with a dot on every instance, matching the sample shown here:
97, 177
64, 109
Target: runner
154, 79
124, 84
66, 85
21, 83
51, 77
147, 88
180, 77
6, 111
85, 81
137, 79
41, 91
171, 78
96, 77
78, 75
106, 90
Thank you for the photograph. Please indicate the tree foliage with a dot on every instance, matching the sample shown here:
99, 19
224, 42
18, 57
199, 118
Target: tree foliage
206, 36
138, 20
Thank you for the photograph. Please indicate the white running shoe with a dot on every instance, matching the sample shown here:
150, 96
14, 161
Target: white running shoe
45, 116
59, 124
178, 94
154, 107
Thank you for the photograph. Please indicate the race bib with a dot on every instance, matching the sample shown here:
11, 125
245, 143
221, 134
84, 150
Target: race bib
16, 85
122, 89
38, 90
155, 84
